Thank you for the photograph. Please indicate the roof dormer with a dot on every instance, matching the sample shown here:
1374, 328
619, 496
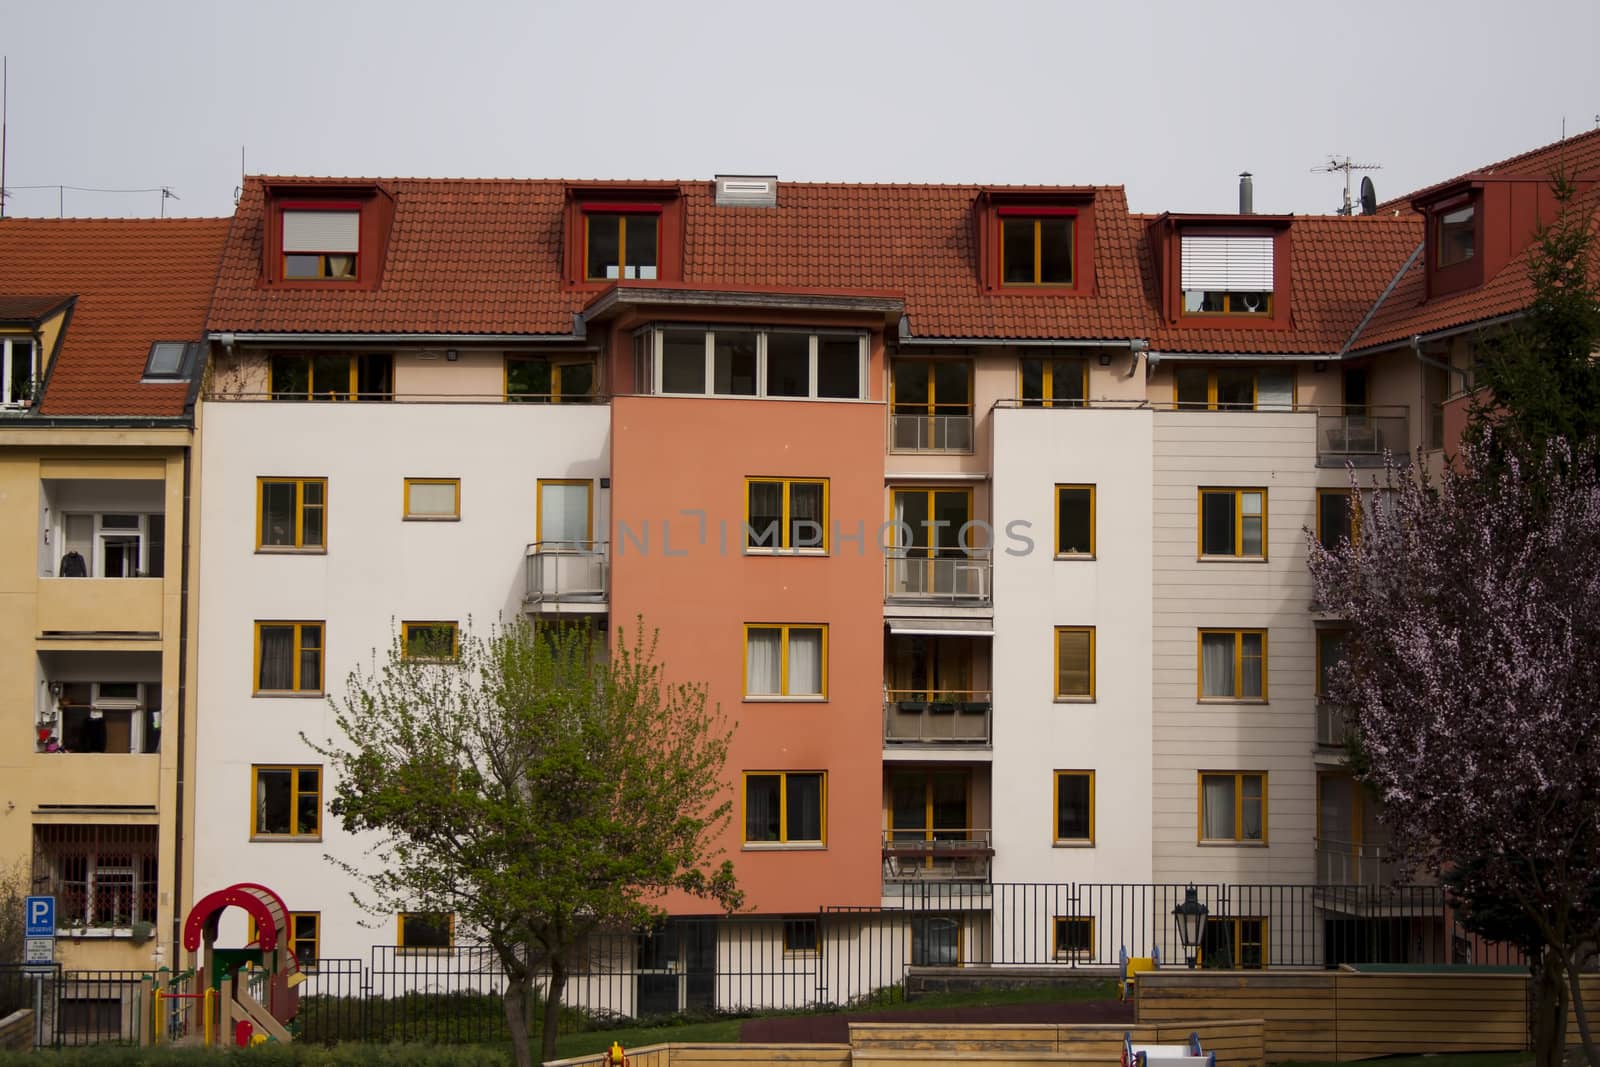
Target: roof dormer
325, 235
1229, 271
1036, 241
623, 233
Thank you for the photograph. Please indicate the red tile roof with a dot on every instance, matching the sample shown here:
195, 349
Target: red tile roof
137, 281
30, 309
484, 257
1578, 155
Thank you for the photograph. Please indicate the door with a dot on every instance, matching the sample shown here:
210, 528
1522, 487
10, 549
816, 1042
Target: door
928, 534
677, 968
926, 808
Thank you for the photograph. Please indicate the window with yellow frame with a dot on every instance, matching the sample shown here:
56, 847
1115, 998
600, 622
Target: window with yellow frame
1072, 937
1232, 665
432, 499
1337, 520
785, 661
1074, 663
324, 376
1330, 652
289, 659
1231, 388
1037, 246
1074, 808
800, 937
565, 514
421, 932
621, 245
291, 514
931, 403
1053, 383
786, 515
305, 937
549, 380
1234, 942
286, 802
1232, 523
785, 807
1233, 807
1075, 519
437, 642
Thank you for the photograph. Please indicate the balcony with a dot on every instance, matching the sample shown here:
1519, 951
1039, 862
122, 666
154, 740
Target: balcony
567, 576
130, 607
930, 433
960, 854
944, 577
1362, 436
1348, 863
939, 718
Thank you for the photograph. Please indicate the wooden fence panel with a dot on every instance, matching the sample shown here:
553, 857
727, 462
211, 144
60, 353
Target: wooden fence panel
1296, 1009
1386, 1013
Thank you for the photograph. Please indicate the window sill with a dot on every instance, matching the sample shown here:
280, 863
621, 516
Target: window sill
288, 693
784, 846
815, 553
286, 550
430, 518
1248, 701
295, 839
1222, 843
1072, 844
97, 933
1230, 559
1075, 557
1059, 699
765, 698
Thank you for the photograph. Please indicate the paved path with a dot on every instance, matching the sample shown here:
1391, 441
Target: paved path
834, 1029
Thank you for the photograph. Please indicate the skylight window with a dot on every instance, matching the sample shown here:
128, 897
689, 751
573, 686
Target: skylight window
167, 361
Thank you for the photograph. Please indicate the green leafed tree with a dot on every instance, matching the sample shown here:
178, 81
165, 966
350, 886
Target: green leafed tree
536, 789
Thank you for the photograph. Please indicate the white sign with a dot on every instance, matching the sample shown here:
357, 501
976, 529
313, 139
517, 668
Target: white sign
39, 950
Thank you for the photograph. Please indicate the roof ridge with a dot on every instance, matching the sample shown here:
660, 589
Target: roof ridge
1493, 168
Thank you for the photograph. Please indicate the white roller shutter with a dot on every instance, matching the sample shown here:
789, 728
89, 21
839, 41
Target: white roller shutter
1227, 264
321, 231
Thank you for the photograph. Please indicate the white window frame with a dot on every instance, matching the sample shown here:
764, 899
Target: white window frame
8, 354
97, 563
654, 339
99, 704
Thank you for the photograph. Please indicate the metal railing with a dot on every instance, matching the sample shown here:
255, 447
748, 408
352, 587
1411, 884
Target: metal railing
942, 717
930, 433
955, 576
1346, 863
1332, 724
567, 571
958, 853
1362, 436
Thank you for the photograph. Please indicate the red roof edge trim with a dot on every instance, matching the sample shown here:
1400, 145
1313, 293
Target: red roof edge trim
618, 207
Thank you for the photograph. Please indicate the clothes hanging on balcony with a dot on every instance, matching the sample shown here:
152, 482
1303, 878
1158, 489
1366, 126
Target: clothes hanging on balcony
74, 566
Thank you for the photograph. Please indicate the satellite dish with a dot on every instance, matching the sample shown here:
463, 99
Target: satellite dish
1369, 197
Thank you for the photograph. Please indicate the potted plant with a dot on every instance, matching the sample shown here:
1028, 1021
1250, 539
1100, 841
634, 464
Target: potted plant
946, 703
143, 931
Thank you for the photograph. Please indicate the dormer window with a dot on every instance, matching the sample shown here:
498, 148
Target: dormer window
621, 242
1455, 233
1037, 245
321, 243
19, 371
1227, 275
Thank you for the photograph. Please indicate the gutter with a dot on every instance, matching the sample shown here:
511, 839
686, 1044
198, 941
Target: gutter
183, 700
229, 339
1416, 350
102, 422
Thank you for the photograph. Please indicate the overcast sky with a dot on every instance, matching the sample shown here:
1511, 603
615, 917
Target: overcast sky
1171, 99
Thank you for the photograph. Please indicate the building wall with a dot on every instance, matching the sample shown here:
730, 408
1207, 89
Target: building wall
676, 460
1246, 449
377, 572
1036, 449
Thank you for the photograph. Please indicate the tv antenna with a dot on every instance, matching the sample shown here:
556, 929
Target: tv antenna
1336, 164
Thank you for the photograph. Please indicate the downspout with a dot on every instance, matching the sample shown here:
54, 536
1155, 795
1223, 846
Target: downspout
183, 718
1416, 350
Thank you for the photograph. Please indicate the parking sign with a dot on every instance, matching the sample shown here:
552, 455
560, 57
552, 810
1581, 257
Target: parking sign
39, 914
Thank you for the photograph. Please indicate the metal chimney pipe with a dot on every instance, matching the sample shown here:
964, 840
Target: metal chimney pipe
1246, 195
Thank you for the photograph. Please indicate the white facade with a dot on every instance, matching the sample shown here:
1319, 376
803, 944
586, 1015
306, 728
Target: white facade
378, 571
1036, 449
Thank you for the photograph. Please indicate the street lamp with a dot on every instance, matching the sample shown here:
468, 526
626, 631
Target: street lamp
1190, 917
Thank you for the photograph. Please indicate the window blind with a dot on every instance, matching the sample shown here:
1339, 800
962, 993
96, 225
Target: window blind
1230, 264
321, 231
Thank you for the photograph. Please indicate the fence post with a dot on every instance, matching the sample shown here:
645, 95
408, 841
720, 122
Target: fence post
158, 1020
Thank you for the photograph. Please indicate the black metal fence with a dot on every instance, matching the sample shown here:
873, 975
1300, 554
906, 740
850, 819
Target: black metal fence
692, 966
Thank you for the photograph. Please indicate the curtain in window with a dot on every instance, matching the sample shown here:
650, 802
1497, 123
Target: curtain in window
272, 802
766, 515
761, 807
1216, 817
805, 662
564, 515
763, 664
277, 658
805, 515
1216, 665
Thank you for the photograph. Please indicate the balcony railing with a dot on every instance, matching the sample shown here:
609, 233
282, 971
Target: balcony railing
1332, 724
1346, 863
1362, 435
942, 717
954, 576
960, 854
930, 433
560, 572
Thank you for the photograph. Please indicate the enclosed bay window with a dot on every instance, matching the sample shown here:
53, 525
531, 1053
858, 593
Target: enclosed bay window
749, 362
1227, 275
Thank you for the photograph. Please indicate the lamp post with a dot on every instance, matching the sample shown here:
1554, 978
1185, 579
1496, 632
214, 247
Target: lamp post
1190, 917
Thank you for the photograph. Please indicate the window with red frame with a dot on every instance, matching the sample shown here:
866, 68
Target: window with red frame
1037, 246
321, 244
621, 242
1455, 233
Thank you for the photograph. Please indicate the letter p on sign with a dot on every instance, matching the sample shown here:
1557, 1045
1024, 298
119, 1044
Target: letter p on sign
40, 916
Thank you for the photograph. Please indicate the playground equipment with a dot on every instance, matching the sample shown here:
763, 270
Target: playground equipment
1188, 1055
1131, 966
225, 976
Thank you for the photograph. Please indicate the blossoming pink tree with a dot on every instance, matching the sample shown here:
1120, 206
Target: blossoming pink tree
1472, 677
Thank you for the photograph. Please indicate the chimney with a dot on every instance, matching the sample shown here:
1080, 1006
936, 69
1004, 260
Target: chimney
1246, 195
